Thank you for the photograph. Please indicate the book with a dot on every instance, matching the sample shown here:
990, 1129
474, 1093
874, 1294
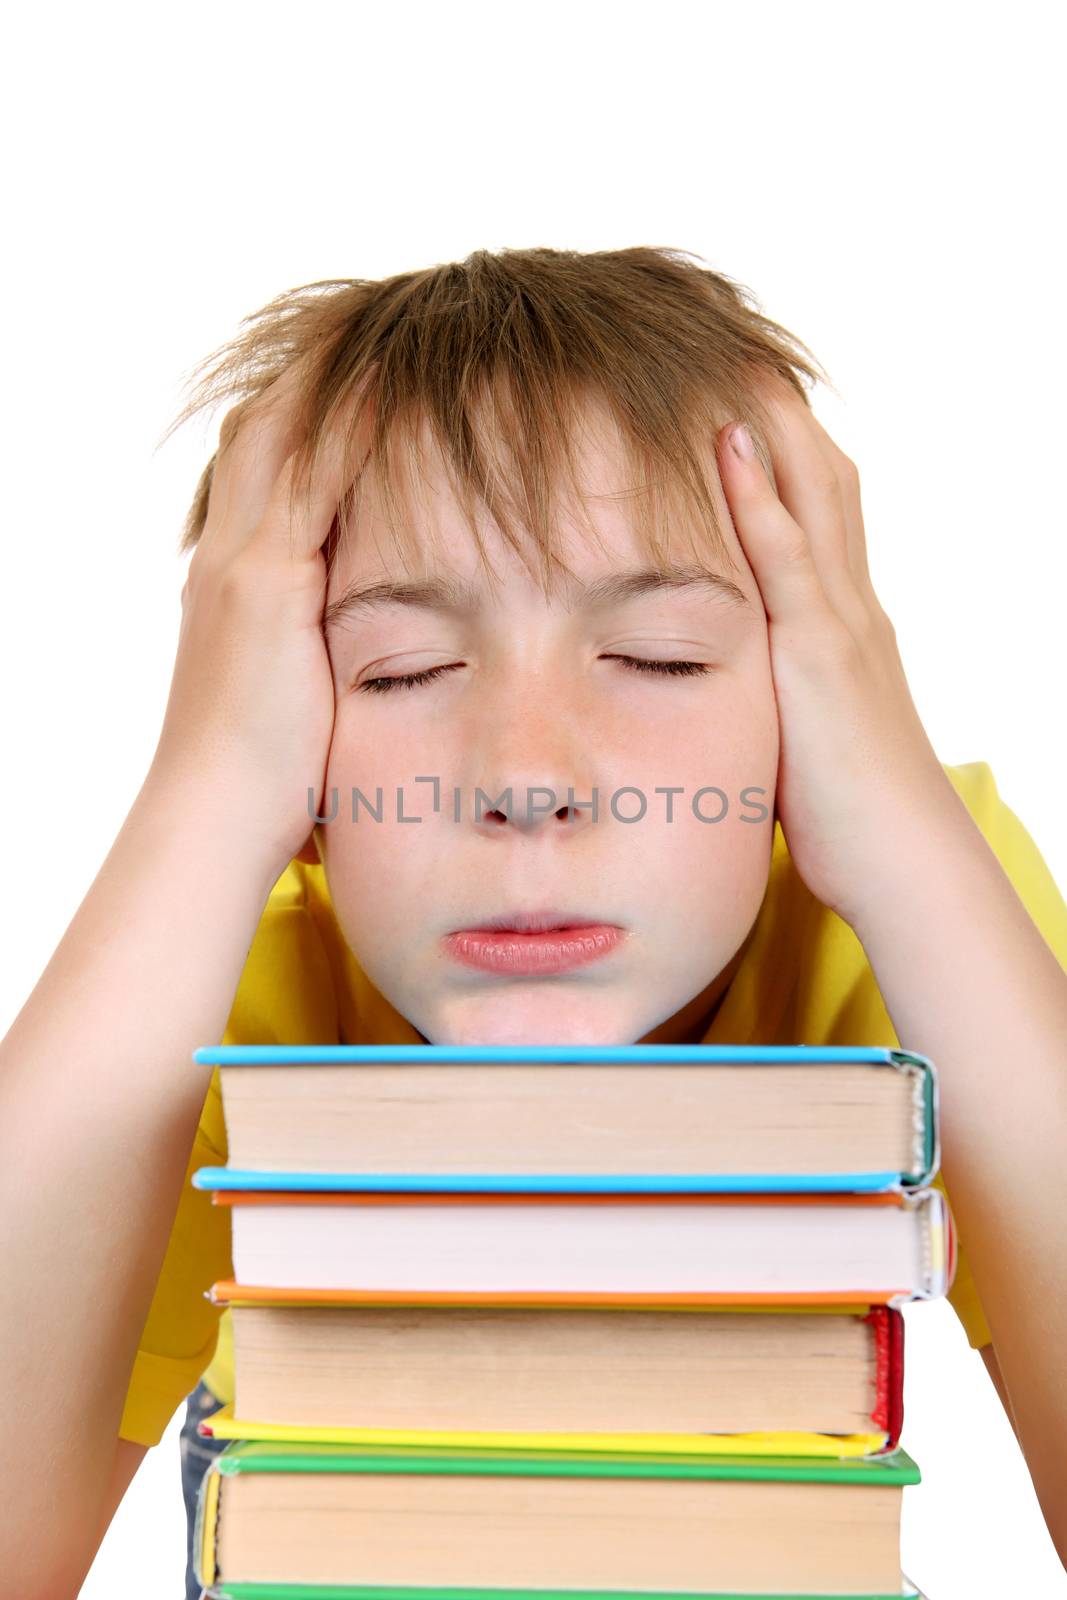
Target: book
569, 1323
885, 1248
473, 1522
818, 1382
754, 1117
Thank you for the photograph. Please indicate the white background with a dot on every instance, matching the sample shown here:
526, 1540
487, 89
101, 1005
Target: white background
886, 179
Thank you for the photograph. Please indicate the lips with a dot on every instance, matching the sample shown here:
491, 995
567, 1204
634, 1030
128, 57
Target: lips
531, 944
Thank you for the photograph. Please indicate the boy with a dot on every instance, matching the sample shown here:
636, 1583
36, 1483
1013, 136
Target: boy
884, 898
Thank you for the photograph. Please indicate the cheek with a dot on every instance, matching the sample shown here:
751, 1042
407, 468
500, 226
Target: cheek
746, 732
385, 827
703, 855
726, 737
369, 750
391, 883
714, 855
380, 871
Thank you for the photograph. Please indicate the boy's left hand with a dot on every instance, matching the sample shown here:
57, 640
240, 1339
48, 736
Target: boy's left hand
857, 775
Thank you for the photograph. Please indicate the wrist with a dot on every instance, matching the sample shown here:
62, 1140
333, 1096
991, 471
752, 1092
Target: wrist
937, 868
928, 842
213, 811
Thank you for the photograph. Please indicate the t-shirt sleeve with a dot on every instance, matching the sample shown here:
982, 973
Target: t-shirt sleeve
285, 996
837, 1000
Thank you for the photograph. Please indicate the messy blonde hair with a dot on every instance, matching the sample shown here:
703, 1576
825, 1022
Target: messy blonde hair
500, 352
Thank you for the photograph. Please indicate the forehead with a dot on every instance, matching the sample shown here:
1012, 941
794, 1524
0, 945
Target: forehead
595, 534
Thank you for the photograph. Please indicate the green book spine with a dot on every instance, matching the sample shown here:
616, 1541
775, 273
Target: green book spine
332, 1591
260, 1455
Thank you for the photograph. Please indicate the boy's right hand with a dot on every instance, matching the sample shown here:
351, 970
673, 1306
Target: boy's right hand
251, 706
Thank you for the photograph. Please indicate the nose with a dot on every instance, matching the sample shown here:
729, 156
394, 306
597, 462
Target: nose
534, 774
531, 808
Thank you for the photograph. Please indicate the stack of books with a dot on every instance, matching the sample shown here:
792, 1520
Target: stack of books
569, 1323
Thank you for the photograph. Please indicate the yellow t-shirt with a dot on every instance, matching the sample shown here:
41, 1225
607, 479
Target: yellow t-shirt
801, 976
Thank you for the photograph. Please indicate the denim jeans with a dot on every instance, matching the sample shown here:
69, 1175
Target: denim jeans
196, 1455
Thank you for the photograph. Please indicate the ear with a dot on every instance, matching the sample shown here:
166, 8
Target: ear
309, 852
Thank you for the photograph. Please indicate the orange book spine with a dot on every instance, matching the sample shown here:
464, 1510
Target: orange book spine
227, 1291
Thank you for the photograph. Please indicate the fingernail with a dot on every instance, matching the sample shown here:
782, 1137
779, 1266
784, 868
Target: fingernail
741, 442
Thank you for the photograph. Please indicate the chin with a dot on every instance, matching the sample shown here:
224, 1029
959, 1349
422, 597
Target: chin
578, 1018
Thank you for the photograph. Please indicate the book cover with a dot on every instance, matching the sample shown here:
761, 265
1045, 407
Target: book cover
244, 1456
920, 1068
887, 1415
928, 1278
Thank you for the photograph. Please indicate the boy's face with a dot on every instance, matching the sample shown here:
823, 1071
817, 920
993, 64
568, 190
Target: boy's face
532, 701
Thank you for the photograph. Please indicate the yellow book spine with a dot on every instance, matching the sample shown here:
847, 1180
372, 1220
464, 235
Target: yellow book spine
224, 1425
208, 1521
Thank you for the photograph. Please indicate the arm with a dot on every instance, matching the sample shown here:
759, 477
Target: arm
962, 967
97, 1089
128, 1458
992, 1366
99, 1097
879, 835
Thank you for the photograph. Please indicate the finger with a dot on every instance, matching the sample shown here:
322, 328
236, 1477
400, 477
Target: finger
255, 440
855, 528
298, 518
776, 545
819, 485
849, 482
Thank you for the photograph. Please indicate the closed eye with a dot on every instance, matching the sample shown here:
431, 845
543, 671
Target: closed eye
413, 680
410, 680
678, 669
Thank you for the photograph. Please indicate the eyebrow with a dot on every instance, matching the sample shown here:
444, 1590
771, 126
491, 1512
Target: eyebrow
445, 594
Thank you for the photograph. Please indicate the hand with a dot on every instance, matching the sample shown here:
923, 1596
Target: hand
251, 706
856, 769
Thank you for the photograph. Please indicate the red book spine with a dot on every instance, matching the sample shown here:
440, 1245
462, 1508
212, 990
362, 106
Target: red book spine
887, 1327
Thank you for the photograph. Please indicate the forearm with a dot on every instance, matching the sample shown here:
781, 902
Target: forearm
968, 980
99, 1102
